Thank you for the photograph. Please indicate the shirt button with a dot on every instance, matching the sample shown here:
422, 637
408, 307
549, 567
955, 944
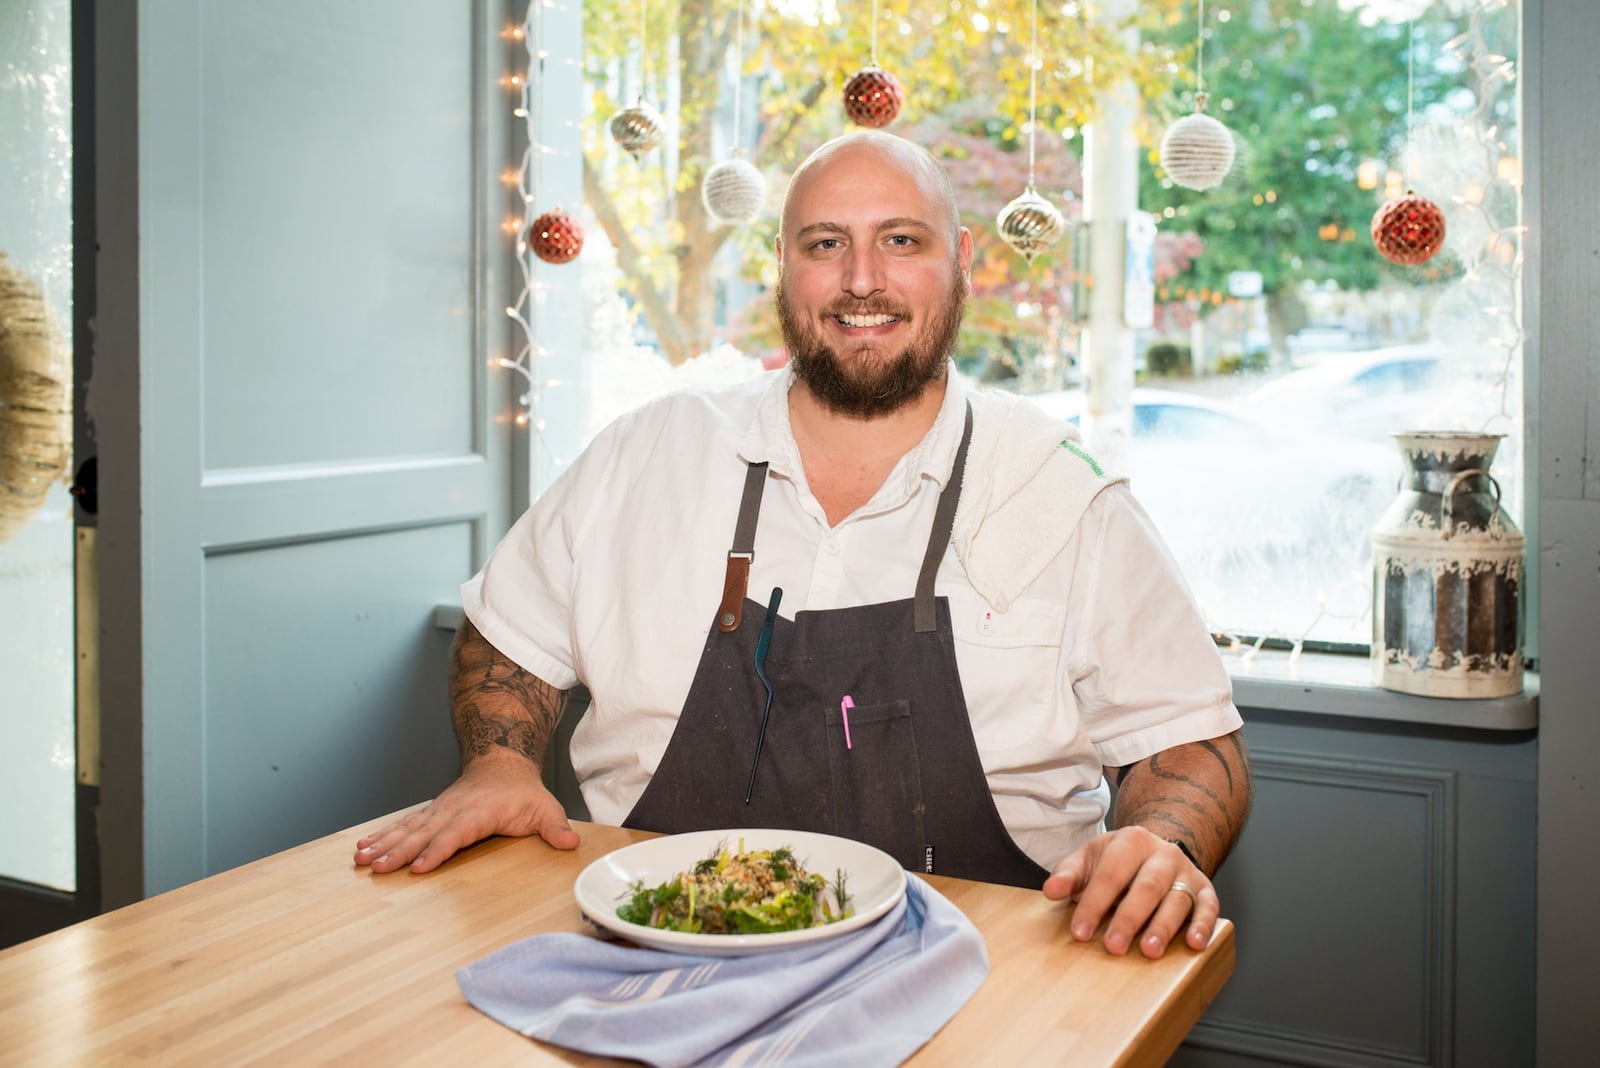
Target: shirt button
832, 546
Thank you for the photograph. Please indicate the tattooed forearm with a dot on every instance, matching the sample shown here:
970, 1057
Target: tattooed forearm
1198, 792
496, 705
477, 734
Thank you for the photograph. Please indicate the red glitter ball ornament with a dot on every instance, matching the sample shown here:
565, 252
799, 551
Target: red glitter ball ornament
1408, 230
872, 97
556, 237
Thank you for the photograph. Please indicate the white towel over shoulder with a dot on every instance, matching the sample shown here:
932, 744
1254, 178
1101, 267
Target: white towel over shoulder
1027, 483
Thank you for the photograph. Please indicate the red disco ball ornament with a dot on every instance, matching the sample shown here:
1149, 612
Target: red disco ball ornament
872, 97
1408, 230
556, 237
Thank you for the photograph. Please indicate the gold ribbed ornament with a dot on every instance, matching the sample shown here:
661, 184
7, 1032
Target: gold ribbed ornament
1197, 150
1030, 224
637, 129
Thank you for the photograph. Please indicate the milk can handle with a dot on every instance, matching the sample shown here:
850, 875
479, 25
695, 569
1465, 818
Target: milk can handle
1447, 504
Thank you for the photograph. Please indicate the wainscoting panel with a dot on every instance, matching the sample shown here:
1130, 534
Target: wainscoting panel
1364, 847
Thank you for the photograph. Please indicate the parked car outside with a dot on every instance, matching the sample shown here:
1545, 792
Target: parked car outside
1368, 395
1261, 518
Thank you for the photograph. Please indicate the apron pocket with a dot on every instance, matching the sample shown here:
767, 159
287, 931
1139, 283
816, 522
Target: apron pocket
874, 781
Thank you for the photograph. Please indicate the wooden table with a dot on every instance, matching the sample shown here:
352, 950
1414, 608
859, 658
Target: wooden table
303, 958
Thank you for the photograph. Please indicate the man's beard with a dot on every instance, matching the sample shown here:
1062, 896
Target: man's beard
864, 385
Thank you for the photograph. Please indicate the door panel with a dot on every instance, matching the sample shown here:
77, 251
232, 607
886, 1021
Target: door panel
304, 463
335, 162
324, 689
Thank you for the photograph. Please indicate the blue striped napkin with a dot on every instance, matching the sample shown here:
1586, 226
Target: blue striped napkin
870, 997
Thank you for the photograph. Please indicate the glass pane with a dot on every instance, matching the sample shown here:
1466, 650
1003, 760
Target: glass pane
1282, 311
1285, 349
38, 760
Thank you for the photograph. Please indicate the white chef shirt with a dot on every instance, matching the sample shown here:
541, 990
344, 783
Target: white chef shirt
614, 576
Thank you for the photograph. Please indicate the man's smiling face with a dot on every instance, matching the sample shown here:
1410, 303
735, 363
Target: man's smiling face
872, 275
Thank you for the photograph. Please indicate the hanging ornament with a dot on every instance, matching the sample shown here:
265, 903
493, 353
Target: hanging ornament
872, 96
734, 191
555, 237
1030, 223
640, 128
1197, 151
637, 129
1408, 230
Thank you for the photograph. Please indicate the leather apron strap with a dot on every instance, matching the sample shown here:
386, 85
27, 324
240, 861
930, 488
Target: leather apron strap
737, 579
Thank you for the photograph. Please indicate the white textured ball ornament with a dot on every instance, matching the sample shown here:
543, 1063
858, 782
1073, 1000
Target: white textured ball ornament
1197, 150
734, 191
637, 129
1030, 224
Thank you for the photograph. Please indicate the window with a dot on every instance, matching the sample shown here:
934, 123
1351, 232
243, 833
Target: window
1283, 349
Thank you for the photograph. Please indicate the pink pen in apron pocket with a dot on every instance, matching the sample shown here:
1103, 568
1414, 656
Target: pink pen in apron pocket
844, 714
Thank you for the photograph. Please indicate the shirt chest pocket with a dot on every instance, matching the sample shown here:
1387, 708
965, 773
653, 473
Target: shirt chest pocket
1026, 624
1011, 671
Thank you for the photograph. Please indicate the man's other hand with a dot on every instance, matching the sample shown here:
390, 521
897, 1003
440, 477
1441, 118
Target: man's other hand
1132, 876
498, 795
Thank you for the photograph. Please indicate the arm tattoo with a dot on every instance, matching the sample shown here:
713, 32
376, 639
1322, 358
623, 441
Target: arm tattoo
495, 704
1199, 792
1211, 748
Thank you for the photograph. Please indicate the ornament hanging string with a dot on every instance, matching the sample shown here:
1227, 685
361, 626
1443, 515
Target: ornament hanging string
1200, 51
1033, 83
1030, 223
738, 74
874, 33
1411, 88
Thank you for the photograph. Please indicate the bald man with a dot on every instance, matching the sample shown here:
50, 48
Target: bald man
735, 574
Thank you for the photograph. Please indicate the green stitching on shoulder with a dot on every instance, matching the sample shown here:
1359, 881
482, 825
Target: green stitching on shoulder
1072, 447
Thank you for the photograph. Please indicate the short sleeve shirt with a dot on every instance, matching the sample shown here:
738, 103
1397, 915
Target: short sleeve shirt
614, 576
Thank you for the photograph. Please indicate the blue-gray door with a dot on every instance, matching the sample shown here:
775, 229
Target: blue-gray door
297, 217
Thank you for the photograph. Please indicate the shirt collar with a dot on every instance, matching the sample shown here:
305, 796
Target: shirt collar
769, 438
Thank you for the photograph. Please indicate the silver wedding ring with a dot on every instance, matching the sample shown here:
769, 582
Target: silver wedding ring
1184, 887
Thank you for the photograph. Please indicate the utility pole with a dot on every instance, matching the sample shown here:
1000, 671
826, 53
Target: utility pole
1110, 198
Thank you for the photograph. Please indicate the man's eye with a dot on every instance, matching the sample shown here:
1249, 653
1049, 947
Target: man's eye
826, 244
902, 240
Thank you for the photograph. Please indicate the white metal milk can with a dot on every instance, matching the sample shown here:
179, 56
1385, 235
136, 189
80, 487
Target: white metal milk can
1447, 565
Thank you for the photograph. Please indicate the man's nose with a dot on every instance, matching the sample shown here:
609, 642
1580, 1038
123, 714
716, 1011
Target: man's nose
863, 272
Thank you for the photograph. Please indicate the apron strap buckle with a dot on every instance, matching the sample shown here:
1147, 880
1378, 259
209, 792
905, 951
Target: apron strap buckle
734, 586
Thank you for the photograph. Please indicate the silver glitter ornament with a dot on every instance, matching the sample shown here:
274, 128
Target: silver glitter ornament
1030, 224
637, 129
734, 191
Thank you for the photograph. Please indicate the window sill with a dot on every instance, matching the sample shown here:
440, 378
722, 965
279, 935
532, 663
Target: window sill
1320, 684
1341, 685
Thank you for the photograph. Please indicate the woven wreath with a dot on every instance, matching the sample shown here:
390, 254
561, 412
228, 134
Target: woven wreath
35, 399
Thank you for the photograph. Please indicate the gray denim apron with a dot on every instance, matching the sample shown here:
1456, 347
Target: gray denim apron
909, 781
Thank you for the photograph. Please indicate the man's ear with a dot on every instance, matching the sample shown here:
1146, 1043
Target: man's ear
964, 258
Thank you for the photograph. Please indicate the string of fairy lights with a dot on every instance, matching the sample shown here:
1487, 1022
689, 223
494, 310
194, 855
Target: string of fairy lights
527, 181
1493, 202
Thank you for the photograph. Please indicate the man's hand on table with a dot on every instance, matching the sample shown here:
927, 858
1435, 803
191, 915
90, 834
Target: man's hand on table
1128, 874
494, 795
